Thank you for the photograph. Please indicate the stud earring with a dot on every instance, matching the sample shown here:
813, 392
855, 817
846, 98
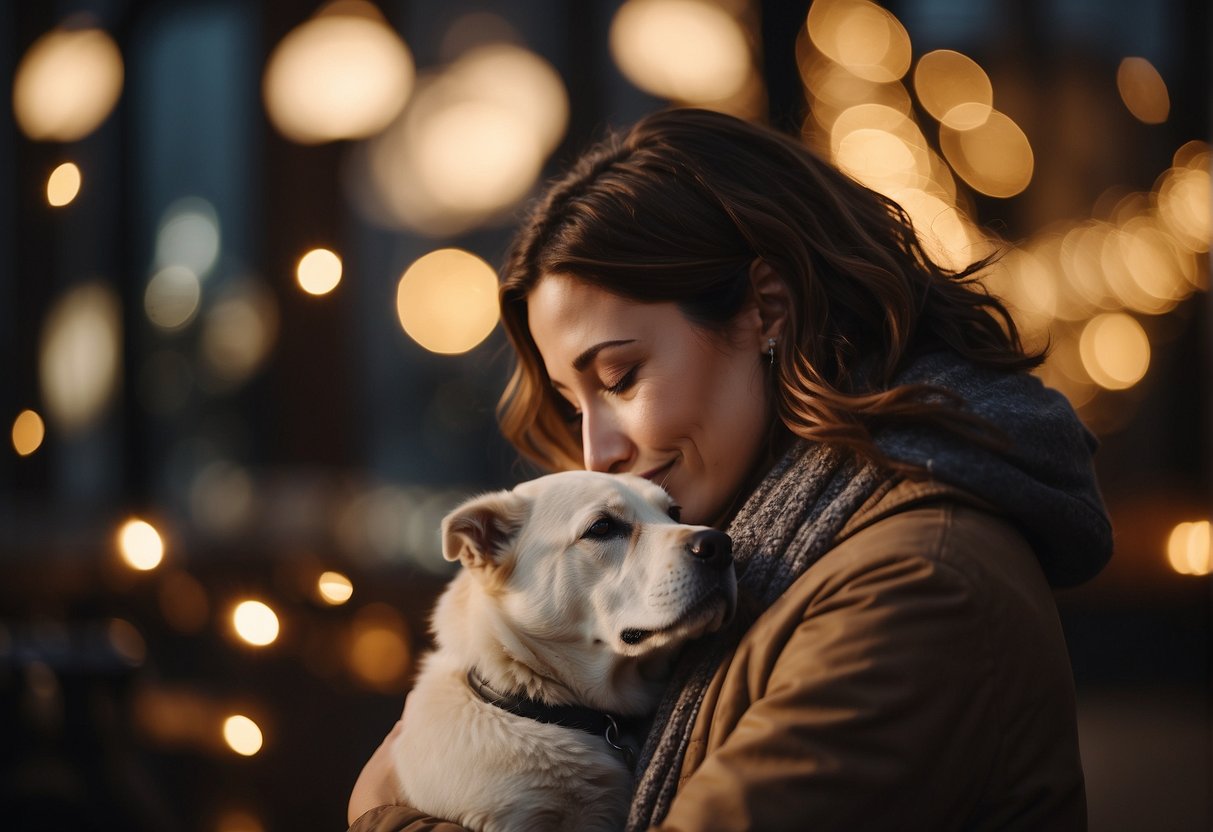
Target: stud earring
771, 350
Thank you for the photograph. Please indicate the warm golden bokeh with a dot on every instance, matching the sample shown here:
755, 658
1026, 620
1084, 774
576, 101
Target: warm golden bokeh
343, 74
995, 158
238, 820
255, 623
80, 354
1115, 350
318, 272
953, 89
447, 301
690, 51
862, 37
140, 545
66, 84
470, 145
63, 185
242, 735
1190, 548
334, 588
1143, 90
28, 432
380, 655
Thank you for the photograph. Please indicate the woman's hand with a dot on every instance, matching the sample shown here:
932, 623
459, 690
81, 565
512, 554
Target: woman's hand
377, 784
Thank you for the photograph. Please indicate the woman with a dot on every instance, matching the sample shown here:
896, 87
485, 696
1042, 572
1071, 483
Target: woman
706, 303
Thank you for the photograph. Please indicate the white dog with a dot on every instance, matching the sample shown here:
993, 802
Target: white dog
577, 590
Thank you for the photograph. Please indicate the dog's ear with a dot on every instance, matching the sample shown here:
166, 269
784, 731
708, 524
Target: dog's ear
478, 532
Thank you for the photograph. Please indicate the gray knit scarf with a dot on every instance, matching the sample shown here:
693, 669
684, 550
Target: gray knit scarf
789, 521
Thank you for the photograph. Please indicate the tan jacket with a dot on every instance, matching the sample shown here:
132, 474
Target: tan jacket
915, 678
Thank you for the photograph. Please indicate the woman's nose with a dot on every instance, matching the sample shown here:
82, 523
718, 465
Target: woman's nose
605, 445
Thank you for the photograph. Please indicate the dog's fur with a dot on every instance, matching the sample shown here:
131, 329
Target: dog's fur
549, 605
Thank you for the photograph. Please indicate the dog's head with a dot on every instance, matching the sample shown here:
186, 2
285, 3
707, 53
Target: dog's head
593, 575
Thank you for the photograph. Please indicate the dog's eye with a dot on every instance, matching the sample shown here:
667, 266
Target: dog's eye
675, 513
602, 527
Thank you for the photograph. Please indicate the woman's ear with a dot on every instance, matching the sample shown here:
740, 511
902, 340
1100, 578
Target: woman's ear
772, 299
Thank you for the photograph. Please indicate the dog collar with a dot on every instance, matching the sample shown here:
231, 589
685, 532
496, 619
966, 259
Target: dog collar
598, 723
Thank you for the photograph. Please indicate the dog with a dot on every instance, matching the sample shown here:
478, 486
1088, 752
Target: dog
577, 591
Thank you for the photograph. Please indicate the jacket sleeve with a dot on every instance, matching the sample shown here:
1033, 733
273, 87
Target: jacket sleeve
864, 712
401, 819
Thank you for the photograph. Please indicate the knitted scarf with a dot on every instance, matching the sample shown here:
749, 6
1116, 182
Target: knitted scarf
788, 522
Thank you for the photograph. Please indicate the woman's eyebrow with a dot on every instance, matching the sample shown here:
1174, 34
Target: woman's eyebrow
582, 361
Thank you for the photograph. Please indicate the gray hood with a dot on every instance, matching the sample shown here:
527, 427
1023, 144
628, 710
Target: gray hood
1044, 481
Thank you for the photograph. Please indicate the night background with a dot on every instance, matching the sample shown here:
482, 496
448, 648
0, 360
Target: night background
249, 353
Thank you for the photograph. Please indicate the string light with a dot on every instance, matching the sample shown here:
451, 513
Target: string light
242, 735
140, 545
28, 432
255, 623
63, 184
334, 588
318, 271
1189, 549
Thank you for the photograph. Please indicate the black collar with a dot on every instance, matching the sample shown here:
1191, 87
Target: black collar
598, 723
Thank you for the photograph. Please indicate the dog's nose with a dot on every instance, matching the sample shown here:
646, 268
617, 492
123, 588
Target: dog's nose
714, 548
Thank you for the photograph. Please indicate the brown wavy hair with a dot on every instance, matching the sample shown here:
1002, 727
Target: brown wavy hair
677, 209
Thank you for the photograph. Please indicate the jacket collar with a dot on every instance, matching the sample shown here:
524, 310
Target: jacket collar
901, 494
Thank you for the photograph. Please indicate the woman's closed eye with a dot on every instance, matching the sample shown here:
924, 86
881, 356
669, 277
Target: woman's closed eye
625, 381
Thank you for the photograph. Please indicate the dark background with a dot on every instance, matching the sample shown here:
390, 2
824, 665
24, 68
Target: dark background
350, 441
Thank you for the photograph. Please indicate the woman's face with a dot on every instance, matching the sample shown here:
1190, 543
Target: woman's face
656, 395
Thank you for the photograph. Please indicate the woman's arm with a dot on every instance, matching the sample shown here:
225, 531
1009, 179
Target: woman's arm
868, 715
373, 805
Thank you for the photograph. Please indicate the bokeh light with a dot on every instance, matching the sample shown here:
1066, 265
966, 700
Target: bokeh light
995, 158
1184, 197
28, 432
242, 735
238, 820
318, 271
521, 81
344, 74
686, 50
862, 37
189, 236
126, 641
140, 545
1115, 350
470, 145
379, 653
79, 355
1190, 548
63, 185
334, 588
447, 301
171, 298
953, 89
1143, 90
255, 623
66, 84
238, 332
